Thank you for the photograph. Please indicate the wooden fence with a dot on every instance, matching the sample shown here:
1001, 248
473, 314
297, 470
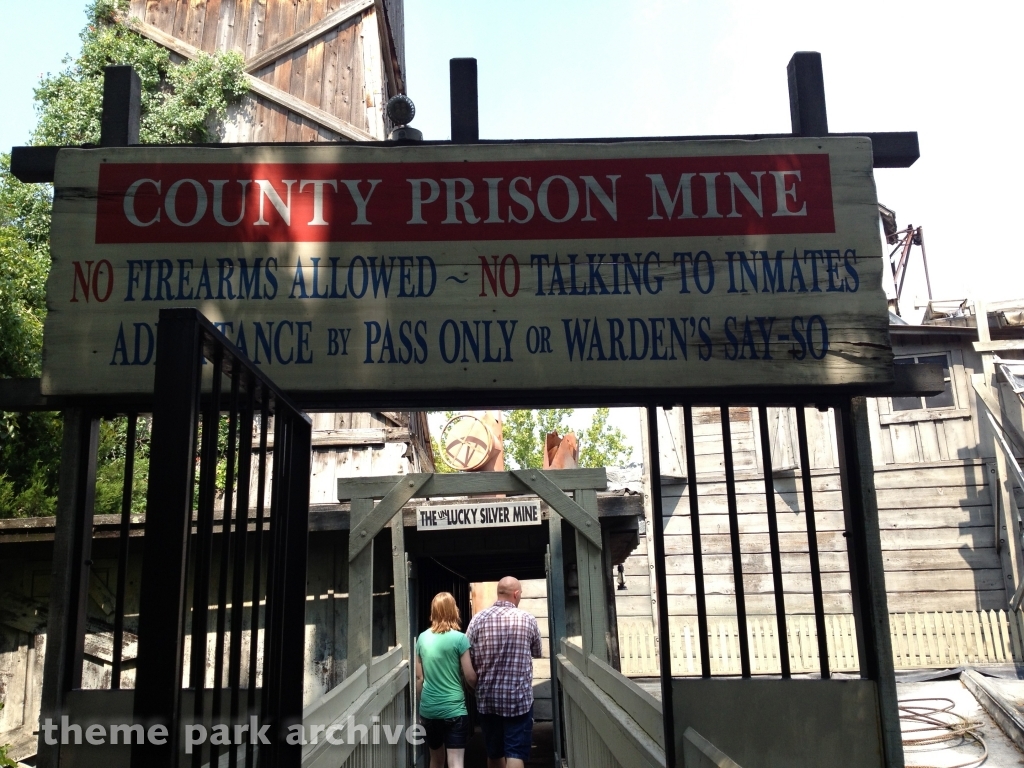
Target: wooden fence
919, 640
610, 721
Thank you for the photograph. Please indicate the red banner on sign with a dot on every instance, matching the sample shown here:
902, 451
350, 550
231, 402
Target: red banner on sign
449, 201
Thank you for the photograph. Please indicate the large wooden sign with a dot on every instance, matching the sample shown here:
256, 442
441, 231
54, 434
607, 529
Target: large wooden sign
532, 266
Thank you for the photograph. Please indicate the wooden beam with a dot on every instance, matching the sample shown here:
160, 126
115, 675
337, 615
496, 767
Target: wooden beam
360, 595
299, 39
1004, 345
590, 569
307, 110
122, 107
465, 125
807, 94
580, 517
370, 525
259, 87
987, 400
469, 483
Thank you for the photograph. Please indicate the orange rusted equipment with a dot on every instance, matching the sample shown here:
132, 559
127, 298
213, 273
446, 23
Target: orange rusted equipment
561, 452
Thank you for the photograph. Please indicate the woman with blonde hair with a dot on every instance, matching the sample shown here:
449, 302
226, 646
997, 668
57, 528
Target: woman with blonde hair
442, 660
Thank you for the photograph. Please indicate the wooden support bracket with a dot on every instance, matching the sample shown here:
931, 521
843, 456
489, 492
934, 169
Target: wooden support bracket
578, 517
363, 532
299, 39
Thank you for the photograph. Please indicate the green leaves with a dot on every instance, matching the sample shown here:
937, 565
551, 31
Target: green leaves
181, 103
601, 445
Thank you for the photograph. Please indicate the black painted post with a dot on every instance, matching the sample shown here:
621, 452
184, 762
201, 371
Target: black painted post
867, 573
168, 525
72, 568
122, 107
465, 110
293, 589
807, 94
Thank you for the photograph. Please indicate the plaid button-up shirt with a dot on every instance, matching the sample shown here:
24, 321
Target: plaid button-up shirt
505, 640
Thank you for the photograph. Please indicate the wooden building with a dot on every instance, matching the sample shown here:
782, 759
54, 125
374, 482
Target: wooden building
947, 493
317, 70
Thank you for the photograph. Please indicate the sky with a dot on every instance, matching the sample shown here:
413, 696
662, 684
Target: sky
563, 69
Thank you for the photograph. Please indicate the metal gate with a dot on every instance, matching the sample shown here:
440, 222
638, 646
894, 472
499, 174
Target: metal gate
224, 571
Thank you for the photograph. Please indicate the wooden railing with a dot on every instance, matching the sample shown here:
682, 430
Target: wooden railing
610, 722
919, 640
373, 698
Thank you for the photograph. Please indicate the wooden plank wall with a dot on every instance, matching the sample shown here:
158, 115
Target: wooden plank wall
933, 434
341, 72
936, 529
919, 641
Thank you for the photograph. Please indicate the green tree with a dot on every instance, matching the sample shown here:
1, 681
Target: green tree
181, 103
524, 433
29, 442
601, 445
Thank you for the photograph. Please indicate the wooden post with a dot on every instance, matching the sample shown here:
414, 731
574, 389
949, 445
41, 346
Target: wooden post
1004, 507
360, 595
556, 618
611, 613
867, 573
807, 95
464, 106
593, 611
122, 107
400, 568
69, 587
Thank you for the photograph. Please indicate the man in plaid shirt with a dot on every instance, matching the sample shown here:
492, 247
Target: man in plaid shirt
503, 643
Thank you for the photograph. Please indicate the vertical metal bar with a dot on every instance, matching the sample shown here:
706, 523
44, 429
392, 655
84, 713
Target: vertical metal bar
83, 574
812, 542
122, 548
257, 563
698, 554
661, 582
168, 525
271, 645
773, 541
225, 554
293, 591
734, 542
204, 548
241, 539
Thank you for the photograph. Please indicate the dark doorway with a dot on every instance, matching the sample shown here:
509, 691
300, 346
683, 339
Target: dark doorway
433, 577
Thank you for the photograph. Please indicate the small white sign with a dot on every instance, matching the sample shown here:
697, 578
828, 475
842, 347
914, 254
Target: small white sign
483, 515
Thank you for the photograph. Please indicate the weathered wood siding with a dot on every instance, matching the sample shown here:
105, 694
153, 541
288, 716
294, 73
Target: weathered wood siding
936, 525
348, 70
930, 434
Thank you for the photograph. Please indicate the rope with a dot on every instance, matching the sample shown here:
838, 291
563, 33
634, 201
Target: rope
939, 724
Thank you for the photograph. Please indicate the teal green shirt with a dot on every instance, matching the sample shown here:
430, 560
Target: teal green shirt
442, 695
